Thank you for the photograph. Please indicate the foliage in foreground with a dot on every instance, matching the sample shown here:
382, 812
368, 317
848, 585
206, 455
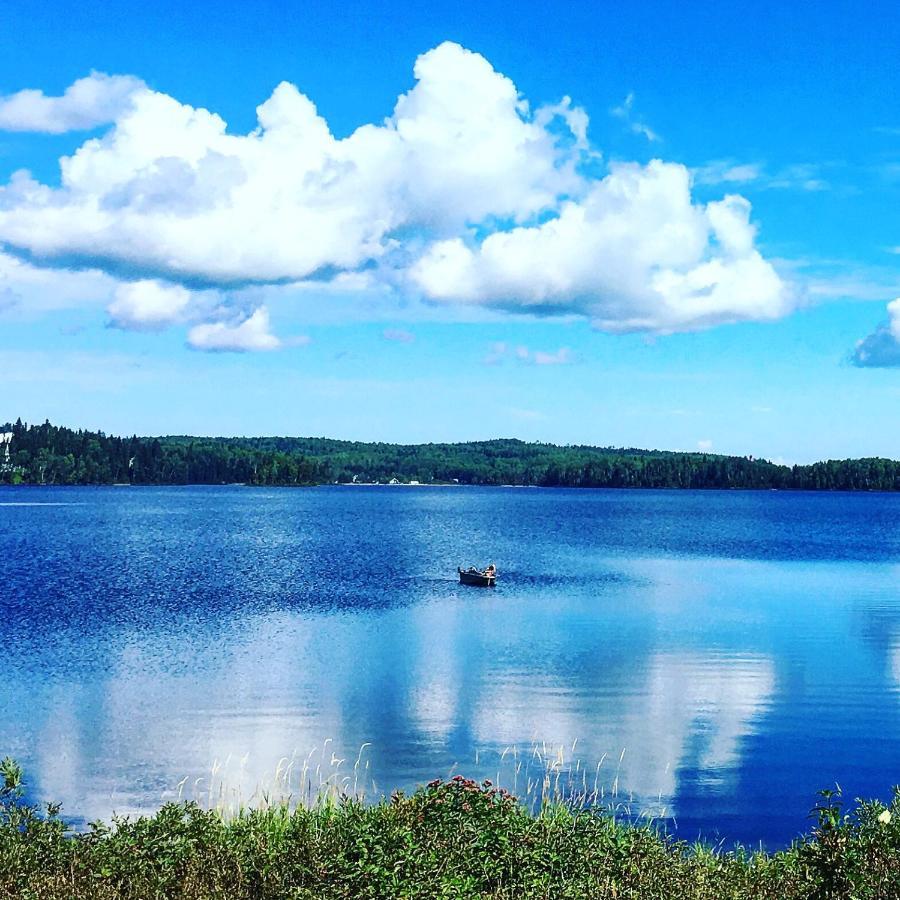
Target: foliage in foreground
455, 839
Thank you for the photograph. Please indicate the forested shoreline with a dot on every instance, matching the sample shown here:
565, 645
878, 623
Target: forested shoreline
49, 454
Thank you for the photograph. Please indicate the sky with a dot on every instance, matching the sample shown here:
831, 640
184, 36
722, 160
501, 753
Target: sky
642, 225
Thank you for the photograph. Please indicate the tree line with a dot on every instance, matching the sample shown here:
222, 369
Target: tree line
49, 454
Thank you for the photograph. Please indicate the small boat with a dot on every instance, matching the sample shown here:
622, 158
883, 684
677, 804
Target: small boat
478, 577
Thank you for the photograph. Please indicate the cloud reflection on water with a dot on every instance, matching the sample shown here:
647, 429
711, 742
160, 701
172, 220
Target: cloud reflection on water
280, 685
149, 634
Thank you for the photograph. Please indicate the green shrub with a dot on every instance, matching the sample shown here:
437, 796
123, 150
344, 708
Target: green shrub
455, 839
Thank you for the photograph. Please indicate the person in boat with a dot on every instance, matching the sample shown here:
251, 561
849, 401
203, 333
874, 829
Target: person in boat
491, 570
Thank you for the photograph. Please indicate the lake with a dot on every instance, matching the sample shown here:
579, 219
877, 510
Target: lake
712, 659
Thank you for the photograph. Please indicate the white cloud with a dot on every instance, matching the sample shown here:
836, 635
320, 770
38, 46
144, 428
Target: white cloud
463, 195
249, 333
469, 147
704, 444
147, 305
398, 335
559, 358
625, 112
39, 291
798, 176
575, 117
727, 171
634, 254
86, 103
170, 192
500, 351
496, 354
881, 349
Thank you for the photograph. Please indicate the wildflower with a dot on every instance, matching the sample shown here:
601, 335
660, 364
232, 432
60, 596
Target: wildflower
884, 817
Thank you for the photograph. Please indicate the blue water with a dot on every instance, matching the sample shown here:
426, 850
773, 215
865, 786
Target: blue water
711, 659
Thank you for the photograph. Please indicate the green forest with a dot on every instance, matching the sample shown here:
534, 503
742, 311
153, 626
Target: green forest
49, 454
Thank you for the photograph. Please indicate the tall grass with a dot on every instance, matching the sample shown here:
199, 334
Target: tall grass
298, 780
539, 774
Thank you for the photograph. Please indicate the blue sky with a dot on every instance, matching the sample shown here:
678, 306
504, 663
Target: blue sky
696, 249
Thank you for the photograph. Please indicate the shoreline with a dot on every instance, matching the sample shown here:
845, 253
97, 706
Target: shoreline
550, 487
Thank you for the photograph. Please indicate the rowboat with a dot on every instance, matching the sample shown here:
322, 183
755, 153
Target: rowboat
479, 578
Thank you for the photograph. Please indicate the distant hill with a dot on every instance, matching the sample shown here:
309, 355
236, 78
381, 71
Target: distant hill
49, 454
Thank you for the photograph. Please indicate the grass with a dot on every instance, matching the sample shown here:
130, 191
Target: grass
449, 839
540, 775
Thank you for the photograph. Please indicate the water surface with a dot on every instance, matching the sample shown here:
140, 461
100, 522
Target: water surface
720, 656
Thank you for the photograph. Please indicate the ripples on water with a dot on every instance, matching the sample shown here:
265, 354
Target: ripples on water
721, 655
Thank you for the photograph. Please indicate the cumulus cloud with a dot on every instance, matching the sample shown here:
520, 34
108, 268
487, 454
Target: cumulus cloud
464, 195
147, 305
39, 291
248, 333
169, 191
635, 254
881, 349
86, 103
